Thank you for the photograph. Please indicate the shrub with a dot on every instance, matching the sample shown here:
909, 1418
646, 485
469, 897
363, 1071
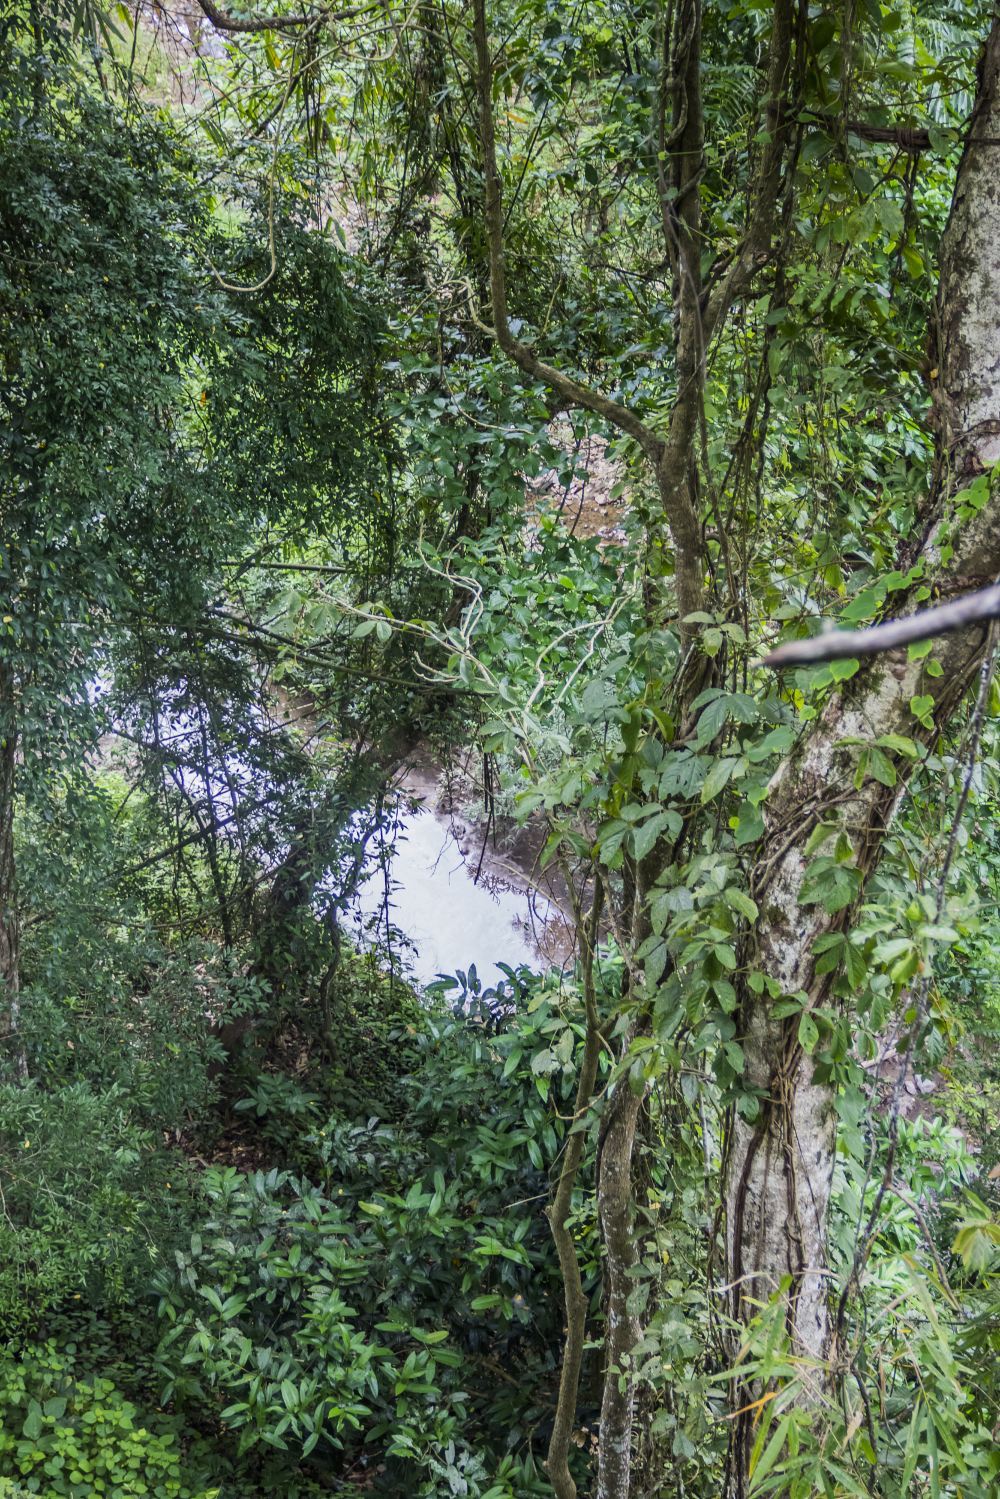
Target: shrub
76, 1436
365, 1308
87, 1206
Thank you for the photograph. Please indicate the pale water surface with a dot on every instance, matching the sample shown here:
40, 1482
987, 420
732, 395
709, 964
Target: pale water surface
451, 919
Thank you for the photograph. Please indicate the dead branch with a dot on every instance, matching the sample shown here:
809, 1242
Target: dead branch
839, 645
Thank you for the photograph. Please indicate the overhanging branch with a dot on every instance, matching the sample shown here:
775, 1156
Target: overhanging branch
906, 137
223, 21
839, 645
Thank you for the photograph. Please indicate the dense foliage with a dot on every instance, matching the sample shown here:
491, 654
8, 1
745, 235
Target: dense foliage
495, 388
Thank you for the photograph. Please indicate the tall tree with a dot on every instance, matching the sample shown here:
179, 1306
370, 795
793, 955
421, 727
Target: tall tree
779, 1159
779, 1168
772, 207
162, 433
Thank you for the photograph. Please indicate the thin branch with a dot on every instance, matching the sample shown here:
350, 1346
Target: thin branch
559, 1214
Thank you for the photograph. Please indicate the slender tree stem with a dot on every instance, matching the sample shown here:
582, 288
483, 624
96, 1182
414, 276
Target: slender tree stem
558, 1214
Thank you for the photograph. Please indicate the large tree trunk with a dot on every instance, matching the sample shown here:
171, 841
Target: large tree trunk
10, 964
779, 1168
621, 1255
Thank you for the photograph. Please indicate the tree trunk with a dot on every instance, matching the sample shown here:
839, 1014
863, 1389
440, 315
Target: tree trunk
779, 1167
558, 1213
621, 1254
616, 1216
10, 955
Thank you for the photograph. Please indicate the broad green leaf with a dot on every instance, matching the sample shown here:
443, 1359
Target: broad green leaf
808, 1032
717, 778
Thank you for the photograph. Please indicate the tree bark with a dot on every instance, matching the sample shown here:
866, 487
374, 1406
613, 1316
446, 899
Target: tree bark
557, 1463
621, 1255
10, 936
616, 1216
779, 1167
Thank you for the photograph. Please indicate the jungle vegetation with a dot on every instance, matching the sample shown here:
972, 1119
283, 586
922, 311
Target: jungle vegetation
314, 321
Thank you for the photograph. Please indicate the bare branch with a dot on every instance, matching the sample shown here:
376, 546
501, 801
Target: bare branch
223, 21
913, 138
906, 137
838, 645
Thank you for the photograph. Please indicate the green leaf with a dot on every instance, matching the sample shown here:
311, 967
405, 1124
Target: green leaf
726, 995
644, 838
543, 1062
749, 828
819, 835
922, 707
830, 884
842, 671
717, 779
864, 605
881, 767
976, 1242
899, 745
489, 1244
885, 952
775, 743
33, 1422
808, 1032
741, 902
767, 1459
511, 1063
829, 957
856, 965
654, 961
564, 1047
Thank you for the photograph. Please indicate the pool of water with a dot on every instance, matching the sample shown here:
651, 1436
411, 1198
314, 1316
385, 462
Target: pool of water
452, 919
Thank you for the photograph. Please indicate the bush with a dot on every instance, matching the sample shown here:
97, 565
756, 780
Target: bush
90, 1199
259, 1318
77, 1436
365, 1308
375, 1021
